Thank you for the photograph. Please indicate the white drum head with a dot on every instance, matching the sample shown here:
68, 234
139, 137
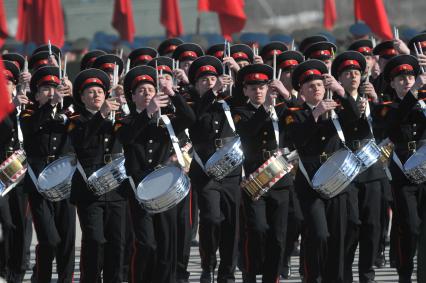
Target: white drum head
56, 172
158, 182
329, 168
416, 159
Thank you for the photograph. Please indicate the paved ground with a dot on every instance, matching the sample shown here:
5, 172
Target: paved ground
383, 275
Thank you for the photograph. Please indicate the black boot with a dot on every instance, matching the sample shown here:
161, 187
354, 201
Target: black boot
207, 276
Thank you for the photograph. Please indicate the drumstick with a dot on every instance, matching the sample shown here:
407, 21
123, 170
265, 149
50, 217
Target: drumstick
373, 41
419, 51
292, 46
114, 83
158, 90
24, 86
49, 46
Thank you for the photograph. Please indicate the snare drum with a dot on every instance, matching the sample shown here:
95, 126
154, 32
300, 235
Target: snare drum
12, 171
162, 189
54, 182
369, 153
270, 172
108, 177
225, 159
336, 173
415, 166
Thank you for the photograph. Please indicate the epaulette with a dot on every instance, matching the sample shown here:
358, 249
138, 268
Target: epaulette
27, 112
73, 116
236, 118
294, 109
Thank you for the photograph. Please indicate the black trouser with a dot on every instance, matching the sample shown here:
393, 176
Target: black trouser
410, 202
54, 223
19, 237
103, 226
219, 204
194, 214
155, 254
421, 255
366, 199
325, 224
265, 233
129, 236
183, 236
294, 226
6, 227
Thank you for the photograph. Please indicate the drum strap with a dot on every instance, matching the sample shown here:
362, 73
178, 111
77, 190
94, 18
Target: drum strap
274, 119
422, 106
228, 116
336, 123
132, 184
32, 176
81, 170
397, 161
303, 170
369, 118
174, 139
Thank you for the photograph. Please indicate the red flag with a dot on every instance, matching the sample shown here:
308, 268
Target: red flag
171, 18
40, 21
5, 105
122, 19
3, 24
330, 14
231, 13
373, 13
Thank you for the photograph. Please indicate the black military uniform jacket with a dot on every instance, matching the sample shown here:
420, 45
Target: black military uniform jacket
406, 129
317, 141
95, 143
357, 131
45, 135
147, 145
210, 130
254, 125
9, 136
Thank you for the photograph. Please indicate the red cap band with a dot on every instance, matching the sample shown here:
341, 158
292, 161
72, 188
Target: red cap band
423, 44
171, 48
388, 52
364, 50
218, 54
404, 67
164, 68
186, 54
16, 63
288, 63
308, 73
319, 53
91, 60
91, 81
41, 63
240, 55
270, 53
204, 69
348, 63
48, 79
141, 78
254, 77
143, 58
107, 66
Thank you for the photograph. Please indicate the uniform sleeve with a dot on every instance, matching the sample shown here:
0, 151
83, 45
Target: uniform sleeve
250, 126
185, 117
302, 128
32, 121
84, 132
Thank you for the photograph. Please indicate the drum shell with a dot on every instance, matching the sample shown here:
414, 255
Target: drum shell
415, 166
341, 177
107, 178
173, 195
62, 190
269, 173
12, 170
225, 160
369, 153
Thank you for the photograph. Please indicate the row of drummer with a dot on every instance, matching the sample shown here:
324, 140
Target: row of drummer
247, 138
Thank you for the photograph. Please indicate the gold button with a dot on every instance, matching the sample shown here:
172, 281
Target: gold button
107, 149
106, 139
216, 131
54, 138
414, 133
265, 133
150, 141
54, 148
414, 125
264, 141
150, 161
323, 138
150, 150
216, 122
356, 129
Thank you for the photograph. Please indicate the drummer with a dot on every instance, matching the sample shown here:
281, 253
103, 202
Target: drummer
219, 201
316, 139
147, 146
93, 135
266, 218
406, 129
15, 203
141, 56
44, 127
365, 199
